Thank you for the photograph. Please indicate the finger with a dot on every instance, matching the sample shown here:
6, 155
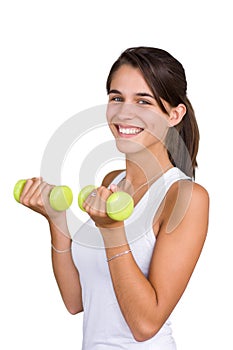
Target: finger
114, 188
90, 198
92, 203
104, 192
98, 203
28, 190
37, 196
45, 193
37, 178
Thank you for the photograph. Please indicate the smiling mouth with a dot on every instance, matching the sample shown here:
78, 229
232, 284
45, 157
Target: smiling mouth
128, 131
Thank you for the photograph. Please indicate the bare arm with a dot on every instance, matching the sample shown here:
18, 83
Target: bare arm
65, 272
35, 196
147, 303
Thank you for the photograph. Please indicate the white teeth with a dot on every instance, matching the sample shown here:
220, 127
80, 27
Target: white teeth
129, 131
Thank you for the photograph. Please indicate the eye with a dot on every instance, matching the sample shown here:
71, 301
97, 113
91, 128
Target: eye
116, 99
144, 102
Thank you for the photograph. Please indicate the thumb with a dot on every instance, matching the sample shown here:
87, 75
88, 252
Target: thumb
114, 188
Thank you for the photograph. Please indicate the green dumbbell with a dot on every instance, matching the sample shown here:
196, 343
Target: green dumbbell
60, 197
119, 205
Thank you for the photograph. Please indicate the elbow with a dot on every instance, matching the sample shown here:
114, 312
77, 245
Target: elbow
145, 332
73, 305
74, 310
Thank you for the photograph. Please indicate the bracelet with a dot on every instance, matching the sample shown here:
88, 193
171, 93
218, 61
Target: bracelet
120, 254
60, 251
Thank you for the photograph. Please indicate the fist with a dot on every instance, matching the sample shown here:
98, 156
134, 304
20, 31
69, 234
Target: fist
95, 206
35, 195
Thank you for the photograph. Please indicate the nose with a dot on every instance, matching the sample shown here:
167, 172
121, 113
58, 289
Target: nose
126, 111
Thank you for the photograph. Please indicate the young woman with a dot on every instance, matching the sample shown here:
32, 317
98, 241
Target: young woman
130, 285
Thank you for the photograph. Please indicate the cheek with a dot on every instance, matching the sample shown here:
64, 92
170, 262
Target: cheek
111, 111
109, 117
108, 113
157, 127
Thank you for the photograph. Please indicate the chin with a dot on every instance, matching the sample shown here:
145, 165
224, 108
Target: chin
129, 146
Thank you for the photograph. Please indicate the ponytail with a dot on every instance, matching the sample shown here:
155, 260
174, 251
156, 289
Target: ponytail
182, 142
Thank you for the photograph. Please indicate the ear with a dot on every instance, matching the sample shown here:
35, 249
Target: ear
176, 114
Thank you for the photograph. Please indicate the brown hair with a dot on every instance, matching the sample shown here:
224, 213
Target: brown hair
166, 78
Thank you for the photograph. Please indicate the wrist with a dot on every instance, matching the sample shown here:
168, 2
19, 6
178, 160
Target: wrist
114, 237
59, 230
60, 243
117, 255
61, 246
59, 223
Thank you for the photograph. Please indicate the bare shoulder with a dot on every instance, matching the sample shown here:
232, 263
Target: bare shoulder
110, 177
189, 191
199, 193
199, 197
186, 201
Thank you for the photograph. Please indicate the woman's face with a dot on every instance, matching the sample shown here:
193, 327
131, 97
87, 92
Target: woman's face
134, 116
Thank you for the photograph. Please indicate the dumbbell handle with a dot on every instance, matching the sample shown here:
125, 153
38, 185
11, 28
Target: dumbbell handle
60, 197
119, 205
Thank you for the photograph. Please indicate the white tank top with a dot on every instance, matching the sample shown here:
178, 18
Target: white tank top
104, 327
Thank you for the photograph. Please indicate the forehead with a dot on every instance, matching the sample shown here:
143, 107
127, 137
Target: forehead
128, 78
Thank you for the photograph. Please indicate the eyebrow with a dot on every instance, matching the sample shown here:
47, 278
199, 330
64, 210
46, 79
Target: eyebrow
142, 94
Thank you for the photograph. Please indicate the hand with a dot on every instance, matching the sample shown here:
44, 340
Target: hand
95, 206
35, 195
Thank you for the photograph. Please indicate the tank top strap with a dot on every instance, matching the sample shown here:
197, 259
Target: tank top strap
158, 191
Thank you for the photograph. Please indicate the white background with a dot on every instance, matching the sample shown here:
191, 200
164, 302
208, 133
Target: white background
55, 57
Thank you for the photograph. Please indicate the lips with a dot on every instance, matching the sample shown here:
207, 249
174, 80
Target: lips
128, 130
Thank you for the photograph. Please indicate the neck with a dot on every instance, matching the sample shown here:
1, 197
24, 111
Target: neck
143, 166
142, 169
